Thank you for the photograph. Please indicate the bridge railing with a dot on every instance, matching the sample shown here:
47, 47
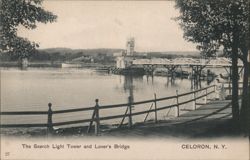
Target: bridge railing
132, 109
227, 86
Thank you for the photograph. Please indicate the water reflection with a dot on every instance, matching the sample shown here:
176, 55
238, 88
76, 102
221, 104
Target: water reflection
133, 85
70, 88
150, 78
171, 82
129, 86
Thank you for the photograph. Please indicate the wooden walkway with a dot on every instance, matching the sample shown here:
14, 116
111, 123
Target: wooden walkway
191, 123
212, 110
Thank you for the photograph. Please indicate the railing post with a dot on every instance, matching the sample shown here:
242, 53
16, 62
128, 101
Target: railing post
222, 92
214, 90
130, 123
206, 97
49, 123
177, 105
97, 119
194, 100
155, 108
91, 122
230, 89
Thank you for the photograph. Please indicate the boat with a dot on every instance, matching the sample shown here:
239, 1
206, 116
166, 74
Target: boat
129, 71
102, 69
133, 71
71, 65
181, 74
161, 73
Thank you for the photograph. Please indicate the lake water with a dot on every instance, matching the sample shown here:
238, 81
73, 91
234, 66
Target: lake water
33, 89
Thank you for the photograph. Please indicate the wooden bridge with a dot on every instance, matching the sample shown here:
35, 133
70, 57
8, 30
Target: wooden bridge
218, 62
177, 107
197, 65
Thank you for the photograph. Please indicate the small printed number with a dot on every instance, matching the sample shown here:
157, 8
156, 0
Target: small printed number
7, 154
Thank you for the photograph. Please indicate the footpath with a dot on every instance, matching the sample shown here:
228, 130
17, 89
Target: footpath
209, 120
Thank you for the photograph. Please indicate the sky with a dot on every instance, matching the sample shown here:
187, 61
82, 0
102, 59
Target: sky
108, 24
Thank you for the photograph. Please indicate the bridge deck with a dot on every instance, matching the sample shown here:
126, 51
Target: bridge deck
222, 62
192, 123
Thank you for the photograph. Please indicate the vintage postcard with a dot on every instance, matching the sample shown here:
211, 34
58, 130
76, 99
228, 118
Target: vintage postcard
94, 80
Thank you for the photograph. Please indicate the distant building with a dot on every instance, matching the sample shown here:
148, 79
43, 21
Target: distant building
92, 60
130, 47
126, 58
118, 54
24, 63
124, 62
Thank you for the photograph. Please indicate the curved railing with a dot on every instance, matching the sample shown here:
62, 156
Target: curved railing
196, 95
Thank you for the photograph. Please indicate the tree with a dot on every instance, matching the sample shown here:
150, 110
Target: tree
20, 12
223, 23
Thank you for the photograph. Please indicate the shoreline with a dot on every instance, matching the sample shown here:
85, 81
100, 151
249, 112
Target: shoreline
48, 64
163, 129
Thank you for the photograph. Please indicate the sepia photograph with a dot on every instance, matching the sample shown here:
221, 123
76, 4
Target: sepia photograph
120, 79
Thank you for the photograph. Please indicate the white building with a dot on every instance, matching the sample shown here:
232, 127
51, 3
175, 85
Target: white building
130, 47
24, 63
126, 59
124, 62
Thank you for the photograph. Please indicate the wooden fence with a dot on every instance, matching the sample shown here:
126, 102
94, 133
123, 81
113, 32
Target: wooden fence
97, 118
